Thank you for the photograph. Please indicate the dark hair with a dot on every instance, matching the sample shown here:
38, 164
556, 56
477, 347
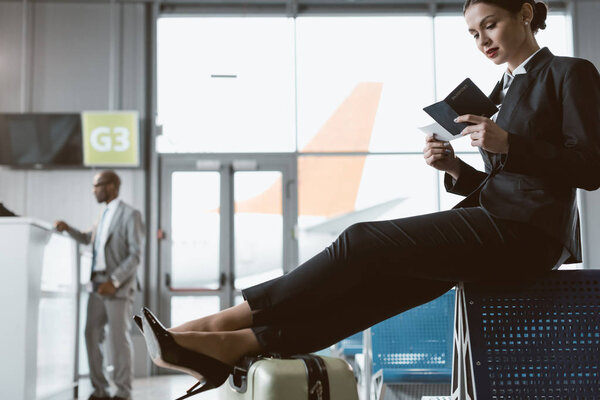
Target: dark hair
112, 177
540, 9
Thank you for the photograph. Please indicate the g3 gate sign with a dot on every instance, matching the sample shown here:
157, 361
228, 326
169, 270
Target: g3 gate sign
110, 138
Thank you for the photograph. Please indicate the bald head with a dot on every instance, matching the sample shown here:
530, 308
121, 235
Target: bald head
106, 186
111, 177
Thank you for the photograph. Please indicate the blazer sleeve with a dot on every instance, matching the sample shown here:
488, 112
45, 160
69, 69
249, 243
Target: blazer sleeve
81, 237
577, 162
5, 212
135, 232
468, 180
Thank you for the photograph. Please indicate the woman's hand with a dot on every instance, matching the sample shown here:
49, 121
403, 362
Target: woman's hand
485, 133
440, 155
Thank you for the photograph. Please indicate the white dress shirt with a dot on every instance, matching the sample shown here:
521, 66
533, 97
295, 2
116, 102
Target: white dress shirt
102, 235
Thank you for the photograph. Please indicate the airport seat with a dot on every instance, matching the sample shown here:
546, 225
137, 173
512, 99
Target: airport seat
413, 351
348, 349
531, 340
350, 346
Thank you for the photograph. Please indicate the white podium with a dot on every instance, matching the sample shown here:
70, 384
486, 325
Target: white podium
38, 310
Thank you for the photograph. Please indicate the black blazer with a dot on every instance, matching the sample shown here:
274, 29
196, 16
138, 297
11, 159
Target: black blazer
552, 114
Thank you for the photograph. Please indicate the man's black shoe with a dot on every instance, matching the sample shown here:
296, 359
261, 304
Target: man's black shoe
93, 397
119, 398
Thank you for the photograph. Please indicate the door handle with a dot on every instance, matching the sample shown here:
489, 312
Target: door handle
168, 280
288, 188
222, 280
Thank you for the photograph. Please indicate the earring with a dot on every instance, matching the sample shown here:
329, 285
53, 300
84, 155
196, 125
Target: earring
526, 22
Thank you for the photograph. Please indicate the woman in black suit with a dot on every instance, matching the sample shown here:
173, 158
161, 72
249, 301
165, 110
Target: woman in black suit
519, 218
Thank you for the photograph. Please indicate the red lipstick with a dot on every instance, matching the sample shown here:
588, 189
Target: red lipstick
491, 53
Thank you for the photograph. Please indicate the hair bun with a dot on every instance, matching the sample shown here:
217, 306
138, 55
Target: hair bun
539, 16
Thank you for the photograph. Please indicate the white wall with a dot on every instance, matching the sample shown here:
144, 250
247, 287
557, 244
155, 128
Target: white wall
69, 57
51, 195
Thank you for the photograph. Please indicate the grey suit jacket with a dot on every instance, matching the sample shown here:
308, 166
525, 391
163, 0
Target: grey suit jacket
123, 247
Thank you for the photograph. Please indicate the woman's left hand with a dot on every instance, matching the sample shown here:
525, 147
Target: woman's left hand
485, 133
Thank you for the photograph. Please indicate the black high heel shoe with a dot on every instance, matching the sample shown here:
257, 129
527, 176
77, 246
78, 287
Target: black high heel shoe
138, 321
165, 352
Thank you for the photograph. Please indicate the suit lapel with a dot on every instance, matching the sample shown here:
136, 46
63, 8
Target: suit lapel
517, 90
495, 97
113, 222
520, 86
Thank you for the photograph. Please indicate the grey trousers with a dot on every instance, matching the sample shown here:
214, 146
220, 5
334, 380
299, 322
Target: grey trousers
117, 314
375, 270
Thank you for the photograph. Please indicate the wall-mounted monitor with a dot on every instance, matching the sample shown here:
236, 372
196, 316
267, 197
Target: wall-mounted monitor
37, 140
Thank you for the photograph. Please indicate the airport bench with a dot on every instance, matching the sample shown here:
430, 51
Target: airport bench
530, 340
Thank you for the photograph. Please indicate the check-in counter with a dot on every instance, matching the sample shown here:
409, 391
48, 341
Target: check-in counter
38, 310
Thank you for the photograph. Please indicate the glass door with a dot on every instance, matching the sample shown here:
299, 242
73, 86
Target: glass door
226, 224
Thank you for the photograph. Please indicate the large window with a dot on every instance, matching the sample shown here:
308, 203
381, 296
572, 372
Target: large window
342, 95
315, 84
336, 191
226, 84
362, 82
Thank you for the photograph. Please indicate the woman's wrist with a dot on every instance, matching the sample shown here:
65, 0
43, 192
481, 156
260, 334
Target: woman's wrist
454, 171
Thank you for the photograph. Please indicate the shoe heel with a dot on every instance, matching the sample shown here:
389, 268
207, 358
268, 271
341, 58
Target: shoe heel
157, 326
138, 321
151, 341
194, 387
203, 388
165, 352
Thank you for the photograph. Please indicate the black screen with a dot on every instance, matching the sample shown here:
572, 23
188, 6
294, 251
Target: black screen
41, 140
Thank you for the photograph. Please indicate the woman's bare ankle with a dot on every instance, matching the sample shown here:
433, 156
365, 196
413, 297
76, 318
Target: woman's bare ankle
231, 319
198, 325
228, 347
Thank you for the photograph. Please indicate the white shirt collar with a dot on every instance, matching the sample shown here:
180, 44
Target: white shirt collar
508, 77
112, 206
521, 68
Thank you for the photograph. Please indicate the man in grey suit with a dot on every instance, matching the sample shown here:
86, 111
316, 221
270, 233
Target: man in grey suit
117, 242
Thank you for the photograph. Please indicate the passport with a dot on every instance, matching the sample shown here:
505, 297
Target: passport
466, 98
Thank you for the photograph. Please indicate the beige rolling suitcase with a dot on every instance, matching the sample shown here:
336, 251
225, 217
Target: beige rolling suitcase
305, 377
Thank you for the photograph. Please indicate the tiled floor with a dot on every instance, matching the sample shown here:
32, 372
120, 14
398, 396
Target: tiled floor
163, 387
167, 387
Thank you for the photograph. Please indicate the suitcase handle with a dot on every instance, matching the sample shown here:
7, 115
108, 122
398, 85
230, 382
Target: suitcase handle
238, 379
318, 381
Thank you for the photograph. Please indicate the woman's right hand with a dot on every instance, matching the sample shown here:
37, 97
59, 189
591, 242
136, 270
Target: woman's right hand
440, 155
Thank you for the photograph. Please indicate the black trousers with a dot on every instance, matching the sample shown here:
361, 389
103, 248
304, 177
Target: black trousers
375, 270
